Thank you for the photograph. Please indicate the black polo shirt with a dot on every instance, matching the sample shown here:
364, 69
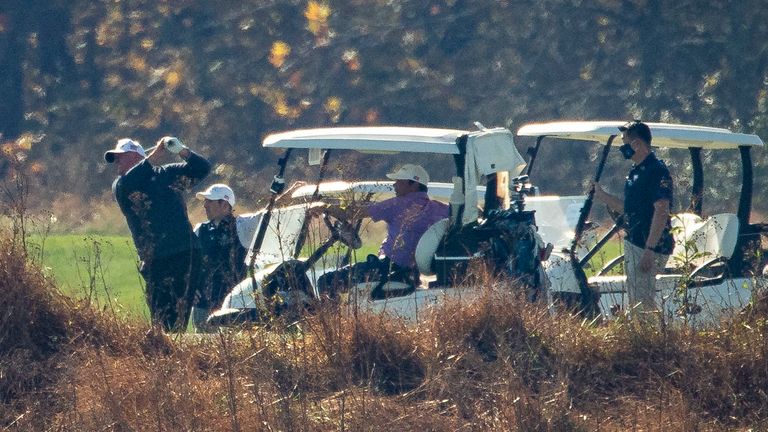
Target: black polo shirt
647, 182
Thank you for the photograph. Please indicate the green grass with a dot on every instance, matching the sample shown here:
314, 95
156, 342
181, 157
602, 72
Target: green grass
611, 250
103, 269
99, 268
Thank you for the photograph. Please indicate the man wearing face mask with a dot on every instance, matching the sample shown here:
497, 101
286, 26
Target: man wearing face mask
646, 208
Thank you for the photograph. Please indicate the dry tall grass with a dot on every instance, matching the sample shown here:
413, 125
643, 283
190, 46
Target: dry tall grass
498, 364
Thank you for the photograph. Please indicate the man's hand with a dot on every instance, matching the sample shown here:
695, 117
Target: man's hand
646, 261
172, 144
614, 203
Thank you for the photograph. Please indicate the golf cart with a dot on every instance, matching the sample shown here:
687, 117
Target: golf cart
709, 274
501, 235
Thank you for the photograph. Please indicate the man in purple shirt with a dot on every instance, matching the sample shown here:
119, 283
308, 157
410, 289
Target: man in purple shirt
408, 215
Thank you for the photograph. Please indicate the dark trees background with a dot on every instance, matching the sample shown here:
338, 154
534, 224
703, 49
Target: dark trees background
76, 75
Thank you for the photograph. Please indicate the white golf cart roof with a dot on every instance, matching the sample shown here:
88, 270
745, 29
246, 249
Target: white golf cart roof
664, 134
377, 139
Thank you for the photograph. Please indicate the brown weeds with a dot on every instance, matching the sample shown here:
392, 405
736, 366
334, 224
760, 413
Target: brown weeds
497, 363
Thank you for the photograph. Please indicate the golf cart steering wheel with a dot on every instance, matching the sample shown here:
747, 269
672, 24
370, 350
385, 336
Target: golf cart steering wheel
343, 231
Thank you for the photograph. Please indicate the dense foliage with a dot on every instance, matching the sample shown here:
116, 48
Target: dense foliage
77, 74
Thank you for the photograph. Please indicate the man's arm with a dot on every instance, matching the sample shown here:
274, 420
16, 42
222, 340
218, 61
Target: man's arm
185, 174
350, 212
614, 203
658, 223
196, 167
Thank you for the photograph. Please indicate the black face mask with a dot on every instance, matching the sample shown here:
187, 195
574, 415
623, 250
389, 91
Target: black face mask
627, 151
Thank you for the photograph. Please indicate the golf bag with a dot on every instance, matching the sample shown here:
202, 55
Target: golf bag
506, 244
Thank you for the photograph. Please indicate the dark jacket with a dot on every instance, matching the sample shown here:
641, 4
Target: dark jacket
151, 199
223, 260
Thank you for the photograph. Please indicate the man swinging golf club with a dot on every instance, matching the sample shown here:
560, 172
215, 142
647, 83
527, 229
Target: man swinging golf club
150, 197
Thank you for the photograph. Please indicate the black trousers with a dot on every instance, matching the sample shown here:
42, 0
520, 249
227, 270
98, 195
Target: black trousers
172, 282
373, 269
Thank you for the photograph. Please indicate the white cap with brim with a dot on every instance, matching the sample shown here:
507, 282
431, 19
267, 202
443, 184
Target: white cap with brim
410, 172
124, 145
218, 191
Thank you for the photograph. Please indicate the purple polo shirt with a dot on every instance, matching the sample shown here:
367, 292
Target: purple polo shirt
407, 218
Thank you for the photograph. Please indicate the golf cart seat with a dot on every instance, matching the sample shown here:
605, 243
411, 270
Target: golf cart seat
427, 246
698, 241
698, 244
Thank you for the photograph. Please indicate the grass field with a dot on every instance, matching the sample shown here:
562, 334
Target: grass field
99, 268
103, 269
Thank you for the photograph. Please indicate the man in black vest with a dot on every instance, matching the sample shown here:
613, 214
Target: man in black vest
222, 250
151, 200
646, 208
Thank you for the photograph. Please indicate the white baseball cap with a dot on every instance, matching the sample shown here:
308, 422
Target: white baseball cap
218, 191
410, 172
124, 145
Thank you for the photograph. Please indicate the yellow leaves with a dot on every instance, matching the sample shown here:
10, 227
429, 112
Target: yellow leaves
8, 148
277, 100
281, 105
279, 52
711, 80
111, 30
17, 150
137, 63
332, 104
317, 17
332, 107
24, 142
147, 44
172, 79
113, 80
135, 27
283, 109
